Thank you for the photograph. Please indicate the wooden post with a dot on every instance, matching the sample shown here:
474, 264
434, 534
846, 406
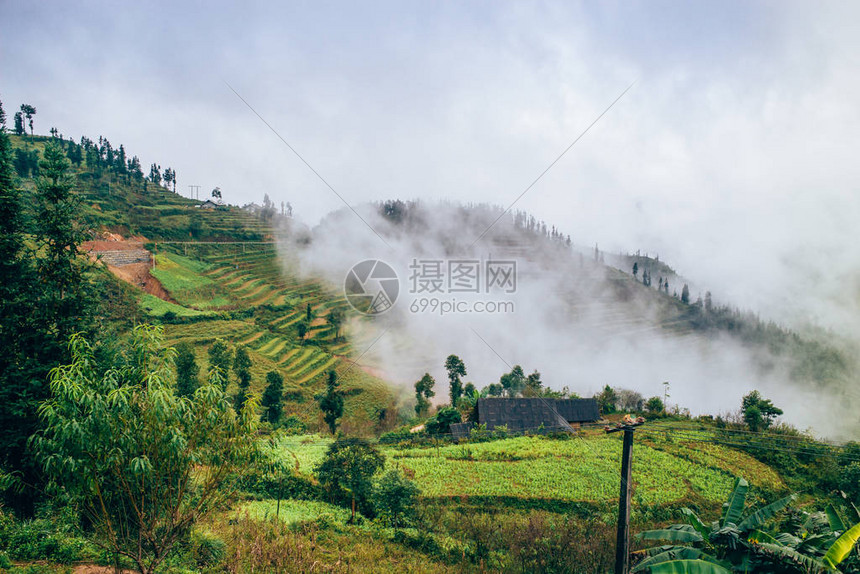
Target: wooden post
622, 545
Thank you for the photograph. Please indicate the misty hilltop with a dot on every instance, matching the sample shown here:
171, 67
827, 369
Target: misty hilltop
579, 315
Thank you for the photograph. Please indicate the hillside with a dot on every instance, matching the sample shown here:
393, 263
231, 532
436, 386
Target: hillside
491, 503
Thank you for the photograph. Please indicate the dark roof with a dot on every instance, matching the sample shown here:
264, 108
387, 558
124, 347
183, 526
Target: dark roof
530, 414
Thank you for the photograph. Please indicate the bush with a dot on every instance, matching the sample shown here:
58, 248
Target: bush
395, 499
293, 425
206, 550
442, 421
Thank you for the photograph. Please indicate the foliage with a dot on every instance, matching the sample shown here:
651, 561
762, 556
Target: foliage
441, 422
242, 369
758, 412
273, 397
186, 370
514, 382
142, 463
456, 370
654, 406
424, 392
347, 470
607, 400
220, 359
331, 403
395, 499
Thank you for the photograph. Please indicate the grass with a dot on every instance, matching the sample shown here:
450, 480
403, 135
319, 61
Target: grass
183, 278
155, 307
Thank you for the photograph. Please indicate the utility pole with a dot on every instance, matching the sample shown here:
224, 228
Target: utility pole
622, 541
193, 188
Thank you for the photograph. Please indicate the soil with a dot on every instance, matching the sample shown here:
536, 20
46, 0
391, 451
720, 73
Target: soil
93, 569
138, 275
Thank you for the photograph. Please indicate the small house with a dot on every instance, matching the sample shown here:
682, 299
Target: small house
534, 415
208, 204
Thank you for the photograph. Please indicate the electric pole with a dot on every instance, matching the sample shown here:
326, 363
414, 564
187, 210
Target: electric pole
193, 188
622, 541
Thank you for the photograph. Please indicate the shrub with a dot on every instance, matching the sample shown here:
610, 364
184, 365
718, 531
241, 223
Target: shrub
395, 499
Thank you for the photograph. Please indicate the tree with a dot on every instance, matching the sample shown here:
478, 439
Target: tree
309, 313
534, 386
242, 369
655, 405
607, 400
142, 464
423, 392
302, 330
347, 472
709, 302
186, 370
28, 111
685, 294
442, 421
19, 124
272, 397
456, 369
220, 359
331, 403
635, 269
155, 174
335, 319
46, 297
395, 499
629, 400
758, 412
514, 382
216, 193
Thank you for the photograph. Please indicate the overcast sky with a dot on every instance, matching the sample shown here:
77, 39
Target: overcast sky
732, 156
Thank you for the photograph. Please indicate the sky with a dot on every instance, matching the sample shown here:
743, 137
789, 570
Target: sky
731, 156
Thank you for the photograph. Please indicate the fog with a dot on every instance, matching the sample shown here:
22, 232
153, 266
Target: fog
566, 321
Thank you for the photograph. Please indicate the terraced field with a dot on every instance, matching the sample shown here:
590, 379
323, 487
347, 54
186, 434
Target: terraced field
242, 293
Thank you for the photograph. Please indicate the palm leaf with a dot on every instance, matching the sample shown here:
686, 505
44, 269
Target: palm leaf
676, 553
762, 515
843, 545
696, 523
791, 556
734, 506
675, 533
687, 567
834, 519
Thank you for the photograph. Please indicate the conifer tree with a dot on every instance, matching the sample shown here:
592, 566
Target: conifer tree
272, 397
186, 370
242, 369
331, 403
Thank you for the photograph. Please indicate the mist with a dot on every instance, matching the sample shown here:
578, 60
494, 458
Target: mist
580, 323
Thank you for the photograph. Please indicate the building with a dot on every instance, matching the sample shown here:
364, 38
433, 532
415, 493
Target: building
208, 204
532, 414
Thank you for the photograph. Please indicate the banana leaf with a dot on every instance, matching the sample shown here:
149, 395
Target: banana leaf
791, 556
677, 553
758, 536
762, 515
843, 545
834, 519
675, 533
696, 523
687, 567
734, 506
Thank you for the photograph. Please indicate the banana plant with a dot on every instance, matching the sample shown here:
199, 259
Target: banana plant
720, 546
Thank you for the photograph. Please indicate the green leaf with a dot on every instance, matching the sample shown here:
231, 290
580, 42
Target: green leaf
687, 567
757, 536
790, 556
843, 545
696, 523
834, 519
675, 533
762, 515
734, 506
675, 553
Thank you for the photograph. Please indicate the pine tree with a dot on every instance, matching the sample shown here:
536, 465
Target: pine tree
186, 370
685, 294
242, 369
220, 358
272, 397
28, 111
331, 403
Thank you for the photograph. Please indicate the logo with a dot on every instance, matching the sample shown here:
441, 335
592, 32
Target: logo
371, 287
